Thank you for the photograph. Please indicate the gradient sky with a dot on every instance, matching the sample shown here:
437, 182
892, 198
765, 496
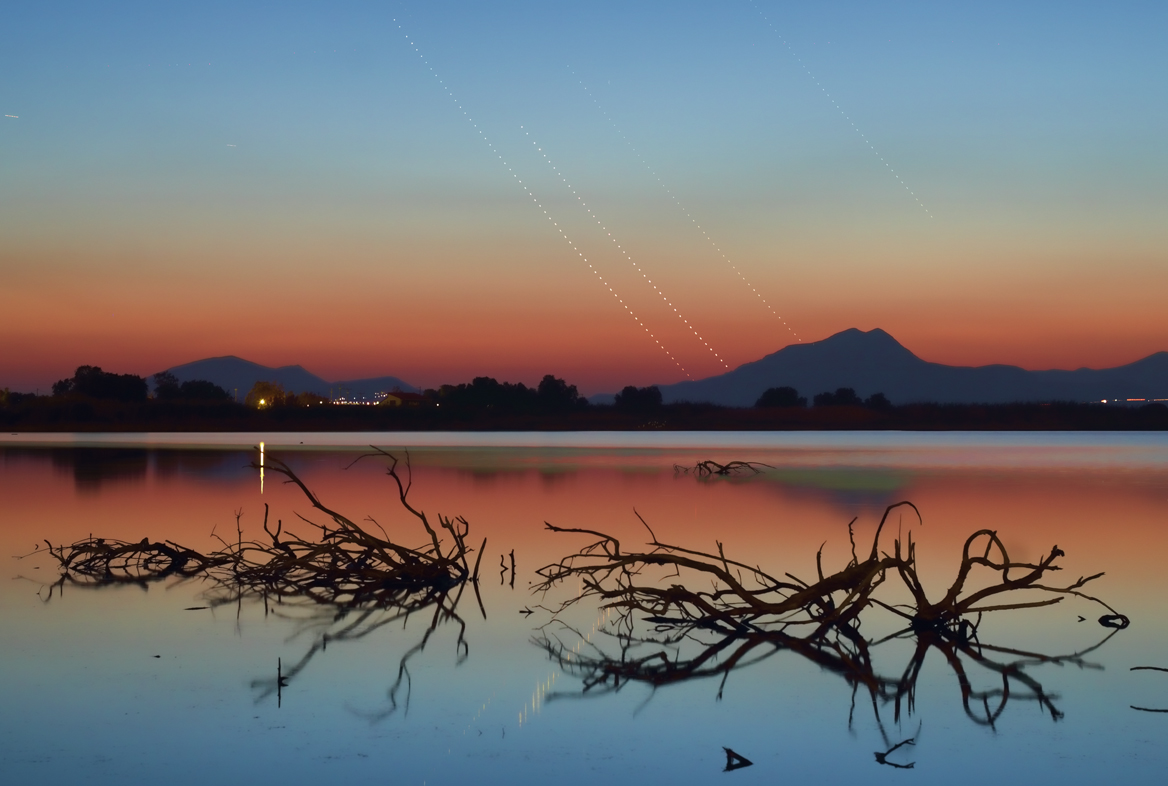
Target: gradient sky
292, 183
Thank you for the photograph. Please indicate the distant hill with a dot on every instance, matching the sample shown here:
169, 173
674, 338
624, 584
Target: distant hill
874, 362
237, 376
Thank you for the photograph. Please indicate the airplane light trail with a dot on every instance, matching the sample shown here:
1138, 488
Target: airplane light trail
683, 209
844, 114
539, 206
636, 267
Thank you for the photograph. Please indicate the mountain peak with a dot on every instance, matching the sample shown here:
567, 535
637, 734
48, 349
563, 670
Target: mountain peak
237, 375
873, 361
875, 336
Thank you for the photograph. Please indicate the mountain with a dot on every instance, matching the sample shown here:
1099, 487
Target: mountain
236, 376
874, 362
365, 388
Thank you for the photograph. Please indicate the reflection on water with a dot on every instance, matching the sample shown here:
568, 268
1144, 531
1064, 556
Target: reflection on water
340, 586
681, 614
92, 467
662, 660
439, 695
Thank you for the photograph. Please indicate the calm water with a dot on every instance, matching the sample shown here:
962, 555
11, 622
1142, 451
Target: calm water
128, 686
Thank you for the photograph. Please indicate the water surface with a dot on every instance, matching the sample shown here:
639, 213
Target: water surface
86, 697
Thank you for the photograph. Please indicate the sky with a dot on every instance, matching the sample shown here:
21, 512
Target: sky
615, 193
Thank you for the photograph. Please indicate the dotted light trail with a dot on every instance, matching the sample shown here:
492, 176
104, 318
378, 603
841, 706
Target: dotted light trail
607, 285
842, 113
539, 695
603, 228
686, 212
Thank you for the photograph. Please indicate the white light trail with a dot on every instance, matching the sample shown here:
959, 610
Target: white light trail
627, 256
540, 206
844, 114
686, 212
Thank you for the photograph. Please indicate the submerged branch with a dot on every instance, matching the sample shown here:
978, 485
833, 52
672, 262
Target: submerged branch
736, 614
345, 566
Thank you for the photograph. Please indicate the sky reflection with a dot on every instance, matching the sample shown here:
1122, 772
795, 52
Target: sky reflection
83, 665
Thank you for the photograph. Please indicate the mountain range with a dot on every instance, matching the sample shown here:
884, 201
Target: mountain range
237, 376
866, 361
874, 362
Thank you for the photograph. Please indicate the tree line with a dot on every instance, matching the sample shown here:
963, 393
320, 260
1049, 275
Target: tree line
552, 395
842, 397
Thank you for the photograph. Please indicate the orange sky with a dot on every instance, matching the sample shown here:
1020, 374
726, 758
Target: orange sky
443, 204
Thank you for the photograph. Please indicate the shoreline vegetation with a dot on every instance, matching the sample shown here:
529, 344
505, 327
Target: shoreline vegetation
94, 400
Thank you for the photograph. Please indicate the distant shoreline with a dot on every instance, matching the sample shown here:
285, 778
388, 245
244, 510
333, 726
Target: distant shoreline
48, 415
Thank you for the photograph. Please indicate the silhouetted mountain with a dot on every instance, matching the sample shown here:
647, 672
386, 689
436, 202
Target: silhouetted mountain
365, 388
874, 362
236, 376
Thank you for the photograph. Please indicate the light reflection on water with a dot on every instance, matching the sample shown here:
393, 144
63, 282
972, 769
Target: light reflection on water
84, 696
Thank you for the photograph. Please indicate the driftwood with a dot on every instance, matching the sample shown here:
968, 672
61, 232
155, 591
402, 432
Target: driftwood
746, 599
345, 566
707, 468
712, 615
341, 586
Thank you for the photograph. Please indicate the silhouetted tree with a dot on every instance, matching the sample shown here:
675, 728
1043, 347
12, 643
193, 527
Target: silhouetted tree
165, 385
167, 388
202, 390
635, 399
487, 393
556, 395
781, 397
843, 397
264, 395
878, 401
91, 381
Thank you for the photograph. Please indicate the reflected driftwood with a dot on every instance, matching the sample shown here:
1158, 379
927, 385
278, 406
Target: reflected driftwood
735, 761
324, 627
711, 615
882, 756
342, 585
1147, 668
707, 468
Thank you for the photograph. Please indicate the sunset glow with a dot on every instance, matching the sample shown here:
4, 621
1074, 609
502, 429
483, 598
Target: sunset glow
985, 184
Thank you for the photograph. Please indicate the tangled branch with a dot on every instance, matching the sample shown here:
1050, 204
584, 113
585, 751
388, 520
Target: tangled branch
342, 585
707, 468
747, 614
345, 565
744, 598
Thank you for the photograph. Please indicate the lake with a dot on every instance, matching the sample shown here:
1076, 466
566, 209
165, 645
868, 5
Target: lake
160, 682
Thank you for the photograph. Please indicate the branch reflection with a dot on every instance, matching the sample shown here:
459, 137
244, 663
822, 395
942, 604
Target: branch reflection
681, 614
340, 587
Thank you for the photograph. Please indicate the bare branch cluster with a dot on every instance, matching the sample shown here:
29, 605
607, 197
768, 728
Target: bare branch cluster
704, 469
744, 598
345, 565
737, 614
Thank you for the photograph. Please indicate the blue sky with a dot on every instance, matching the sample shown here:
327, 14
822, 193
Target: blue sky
200, 172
